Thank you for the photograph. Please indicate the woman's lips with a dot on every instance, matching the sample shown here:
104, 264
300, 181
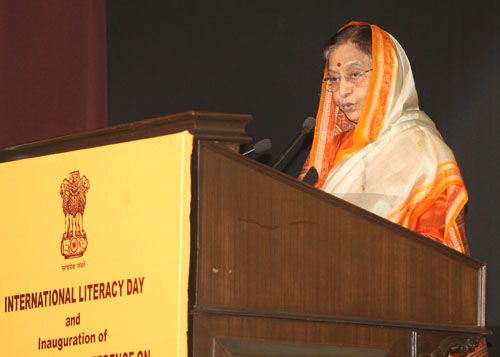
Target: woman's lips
348, 107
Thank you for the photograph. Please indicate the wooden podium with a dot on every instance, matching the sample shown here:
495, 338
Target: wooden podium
279, 268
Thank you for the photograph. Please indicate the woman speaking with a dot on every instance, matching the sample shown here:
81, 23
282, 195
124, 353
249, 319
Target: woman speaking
375, 148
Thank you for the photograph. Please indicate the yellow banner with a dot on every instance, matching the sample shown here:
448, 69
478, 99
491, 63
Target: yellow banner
95, 251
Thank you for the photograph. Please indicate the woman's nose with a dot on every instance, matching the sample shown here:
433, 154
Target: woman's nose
345, 87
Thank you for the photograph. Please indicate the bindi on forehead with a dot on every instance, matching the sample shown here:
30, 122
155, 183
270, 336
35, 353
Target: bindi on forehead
339, 64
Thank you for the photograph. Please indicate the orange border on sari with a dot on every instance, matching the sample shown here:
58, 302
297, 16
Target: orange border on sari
385, 69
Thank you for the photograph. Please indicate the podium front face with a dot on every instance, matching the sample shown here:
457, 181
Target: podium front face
157, 238
283, 263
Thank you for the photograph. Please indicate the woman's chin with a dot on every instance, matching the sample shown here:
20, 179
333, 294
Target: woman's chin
353, 118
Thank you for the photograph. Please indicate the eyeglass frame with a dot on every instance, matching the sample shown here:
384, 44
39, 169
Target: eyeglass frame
347, 78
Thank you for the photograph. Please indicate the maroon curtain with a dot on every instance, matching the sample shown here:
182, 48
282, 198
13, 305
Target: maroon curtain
53, 71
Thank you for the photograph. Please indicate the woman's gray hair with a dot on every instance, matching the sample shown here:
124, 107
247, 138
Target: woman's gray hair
359, 35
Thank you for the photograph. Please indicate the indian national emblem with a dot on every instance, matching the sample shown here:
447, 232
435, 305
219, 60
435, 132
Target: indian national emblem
73, 193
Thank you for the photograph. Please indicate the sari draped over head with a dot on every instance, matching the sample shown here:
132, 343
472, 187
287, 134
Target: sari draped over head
393, 162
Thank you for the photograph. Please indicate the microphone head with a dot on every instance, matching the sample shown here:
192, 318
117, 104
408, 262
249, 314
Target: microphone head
262, 145
308, 124
311, 177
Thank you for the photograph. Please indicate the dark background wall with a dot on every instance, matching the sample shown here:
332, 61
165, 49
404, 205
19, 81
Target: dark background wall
264, 58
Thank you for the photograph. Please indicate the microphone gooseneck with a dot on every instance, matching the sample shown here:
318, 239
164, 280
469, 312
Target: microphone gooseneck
307, 126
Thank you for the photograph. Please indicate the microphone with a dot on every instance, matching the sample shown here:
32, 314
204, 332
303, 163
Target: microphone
311, 177
308, 124
260, 146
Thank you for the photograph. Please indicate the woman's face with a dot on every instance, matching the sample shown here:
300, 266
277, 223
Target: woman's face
347, 61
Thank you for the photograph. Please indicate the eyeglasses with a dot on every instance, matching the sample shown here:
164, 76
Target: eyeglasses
355, 77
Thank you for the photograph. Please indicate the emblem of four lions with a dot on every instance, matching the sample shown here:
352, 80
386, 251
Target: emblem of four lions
73, 193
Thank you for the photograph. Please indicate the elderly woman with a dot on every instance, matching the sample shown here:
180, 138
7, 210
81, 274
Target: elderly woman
375, 148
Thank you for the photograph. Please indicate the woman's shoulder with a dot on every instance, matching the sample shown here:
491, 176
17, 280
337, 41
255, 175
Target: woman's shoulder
413, 122
418, 129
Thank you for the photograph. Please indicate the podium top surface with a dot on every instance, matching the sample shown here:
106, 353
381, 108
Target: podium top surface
222, 127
